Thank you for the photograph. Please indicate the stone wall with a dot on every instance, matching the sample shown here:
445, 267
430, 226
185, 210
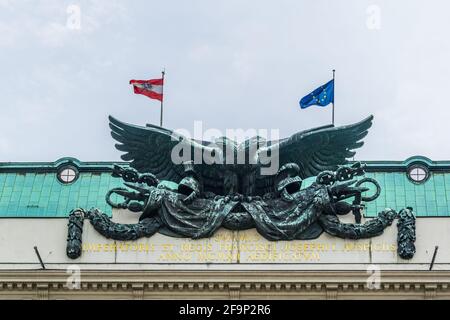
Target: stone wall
226, 250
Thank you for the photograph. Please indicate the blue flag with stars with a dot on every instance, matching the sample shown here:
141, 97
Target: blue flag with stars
322, 96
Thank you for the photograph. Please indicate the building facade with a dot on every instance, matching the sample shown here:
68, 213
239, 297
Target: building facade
36, 199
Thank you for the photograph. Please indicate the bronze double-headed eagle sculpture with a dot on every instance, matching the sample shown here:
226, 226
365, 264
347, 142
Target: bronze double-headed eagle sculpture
203, 196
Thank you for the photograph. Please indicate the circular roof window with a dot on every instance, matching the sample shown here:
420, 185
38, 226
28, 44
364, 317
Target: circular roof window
67, 174
418, 173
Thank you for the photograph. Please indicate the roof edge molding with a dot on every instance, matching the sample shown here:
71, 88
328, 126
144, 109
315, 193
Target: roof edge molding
88, 166
106, 166
443, 165
419, 159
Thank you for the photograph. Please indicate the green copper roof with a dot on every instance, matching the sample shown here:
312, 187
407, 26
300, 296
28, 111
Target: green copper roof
431, 198
41, 194
33, 190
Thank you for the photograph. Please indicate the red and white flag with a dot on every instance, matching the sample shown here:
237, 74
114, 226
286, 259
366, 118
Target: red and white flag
151, 88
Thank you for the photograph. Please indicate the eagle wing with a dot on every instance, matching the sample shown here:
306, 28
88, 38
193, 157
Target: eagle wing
149, 149
316, 150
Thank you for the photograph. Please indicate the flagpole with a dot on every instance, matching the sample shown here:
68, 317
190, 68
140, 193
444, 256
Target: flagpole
332, 105
162, 92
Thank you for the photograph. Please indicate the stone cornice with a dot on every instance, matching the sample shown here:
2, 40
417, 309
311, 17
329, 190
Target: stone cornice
50, 284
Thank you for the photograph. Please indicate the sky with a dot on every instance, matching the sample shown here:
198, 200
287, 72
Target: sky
65, 66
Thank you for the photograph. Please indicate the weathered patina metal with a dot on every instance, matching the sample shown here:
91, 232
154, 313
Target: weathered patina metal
75, 232
315, 150
280, 211
406, 237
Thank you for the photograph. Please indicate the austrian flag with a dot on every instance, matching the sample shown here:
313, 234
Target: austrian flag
151, 88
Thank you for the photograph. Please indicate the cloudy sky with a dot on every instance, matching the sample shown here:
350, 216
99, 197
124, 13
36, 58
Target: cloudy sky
65, 66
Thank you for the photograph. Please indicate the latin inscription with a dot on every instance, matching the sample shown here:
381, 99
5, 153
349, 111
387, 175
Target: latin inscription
238, 247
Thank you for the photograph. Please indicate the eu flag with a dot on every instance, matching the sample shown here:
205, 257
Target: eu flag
322, 96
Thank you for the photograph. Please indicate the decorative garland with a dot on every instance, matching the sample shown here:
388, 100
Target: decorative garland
406, 235
106, 227
406, 227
